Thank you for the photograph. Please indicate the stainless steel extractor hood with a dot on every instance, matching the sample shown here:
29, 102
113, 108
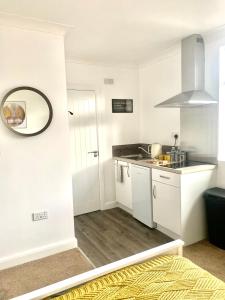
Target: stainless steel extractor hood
193, 75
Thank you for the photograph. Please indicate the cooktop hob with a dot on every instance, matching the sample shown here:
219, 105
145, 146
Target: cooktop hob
183, 164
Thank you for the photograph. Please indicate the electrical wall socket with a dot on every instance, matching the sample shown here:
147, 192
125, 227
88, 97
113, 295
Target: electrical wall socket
108, 81
174, 133
39, 216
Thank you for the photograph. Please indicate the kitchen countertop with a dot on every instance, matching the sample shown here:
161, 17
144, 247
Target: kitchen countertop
184, 170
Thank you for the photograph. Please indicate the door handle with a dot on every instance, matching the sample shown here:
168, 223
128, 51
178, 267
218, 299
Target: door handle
96, 153
164, 177
128, 171
154, 191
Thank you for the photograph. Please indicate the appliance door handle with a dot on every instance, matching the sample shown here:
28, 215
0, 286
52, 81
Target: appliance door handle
164, 177
154, 191
96, 153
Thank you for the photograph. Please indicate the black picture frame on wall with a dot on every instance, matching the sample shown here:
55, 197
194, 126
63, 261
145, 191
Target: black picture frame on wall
122, 105
43, 97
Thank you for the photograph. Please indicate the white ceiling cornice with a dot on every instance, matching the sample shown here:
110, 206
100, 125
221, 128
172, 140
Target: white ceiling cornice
116, 32
163, 55
214, 34
101, 64
15, 21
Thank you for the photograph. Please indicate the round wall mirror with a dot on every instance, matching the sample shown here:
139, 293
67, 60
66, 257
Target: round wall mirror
26, 111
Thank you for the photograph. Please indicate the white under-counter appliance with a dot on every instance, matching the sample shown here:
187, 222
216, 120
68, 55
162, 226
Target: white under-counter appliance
141, 183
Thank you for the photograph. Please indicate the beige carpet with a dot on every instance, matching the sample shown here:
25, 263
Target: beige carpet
208, 257
33, 275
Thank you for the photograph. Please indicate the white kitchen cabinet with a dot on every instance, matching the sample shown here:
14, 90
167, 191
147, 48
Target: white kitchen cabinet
166, 203
166, 177
141, 194
123, 189
178, 205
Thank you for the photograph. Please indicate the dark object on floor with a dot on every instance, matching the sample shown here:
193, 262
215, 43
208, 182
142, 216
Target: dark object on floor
215, 211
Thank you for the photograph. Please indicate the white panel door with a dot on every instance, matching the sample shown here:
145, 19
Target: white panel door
84, 151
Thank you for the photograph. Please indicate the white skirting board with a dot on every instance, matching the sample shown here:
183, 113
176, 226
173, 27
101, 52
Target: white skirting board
167, 232
174, 247
37, 253
123, 207
109, 205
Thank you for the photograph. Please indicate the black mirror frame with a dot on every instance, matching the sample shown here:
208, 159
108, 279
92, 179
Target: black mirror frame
36, 91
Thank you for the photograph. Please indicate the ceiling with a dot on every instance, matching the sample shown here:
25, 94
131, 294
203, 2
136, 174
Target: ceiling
122, 31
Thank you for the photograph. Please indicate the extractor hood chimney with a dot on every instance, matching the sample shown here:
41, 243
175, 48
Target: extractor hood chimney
193, 75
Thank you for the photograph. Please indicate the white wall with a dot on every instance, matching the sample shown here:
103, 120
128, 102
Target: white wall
115, 129
213, 42
159, 80
34, 171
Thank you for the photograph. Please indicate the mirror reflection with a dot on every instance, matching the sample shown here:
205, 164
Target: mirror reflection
26, 111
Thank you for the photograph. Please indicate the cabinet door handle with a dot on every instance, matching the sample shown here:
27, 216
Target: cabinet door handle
164, 177
154, 191
128, 171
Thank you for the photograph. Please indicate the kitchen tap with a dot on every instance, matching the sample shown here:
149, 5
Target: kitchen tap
146, 151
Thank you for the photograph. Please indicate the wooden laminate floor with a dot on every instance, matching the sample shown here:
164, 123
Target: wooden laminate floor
106, 236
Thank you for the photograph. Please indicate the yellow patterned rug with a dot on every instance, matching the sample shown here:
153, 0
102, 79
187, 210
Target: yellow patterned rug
165, 278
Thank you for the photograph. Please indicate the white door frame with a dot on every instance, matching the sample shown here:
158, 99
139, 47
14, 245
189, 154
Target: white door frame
97, 93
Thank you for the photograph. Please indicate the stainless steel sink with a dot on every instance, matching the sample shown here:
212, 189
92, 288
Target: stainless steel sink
135, 157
